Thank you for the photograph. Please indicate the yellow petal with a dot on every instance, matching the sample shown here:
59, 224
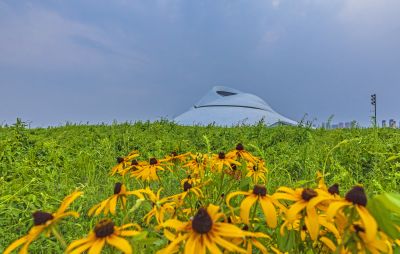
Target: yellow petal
334, 207
285, 196
233, 194
78, 242
328, 243
113, 204
93, 209
120, 243
62, 215
313, 226
129, 233
286, 190
295, 209
245, 206
81, 248
260, 246
171, 248
228, 245
211, 246
369, 222
16, 244
212, 210
228, 230
269, 211
190, 245
68, 200
97, 246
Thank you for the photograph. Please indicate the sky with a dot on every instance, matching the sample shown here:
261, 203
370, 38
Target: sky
100, 61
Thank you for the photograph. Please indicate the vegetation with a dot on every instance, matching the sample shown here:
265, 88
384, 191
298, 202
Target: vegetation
40, 167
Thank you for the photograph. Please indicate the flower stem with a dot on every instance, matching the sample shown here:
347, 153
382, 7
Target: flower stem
59, 237
253, 215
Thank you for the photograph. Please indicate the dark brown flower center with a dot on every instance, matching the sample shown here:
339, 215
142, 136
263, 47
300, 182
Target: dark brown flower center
120, 159
334, 189
117, 188
259, 190
202, 222
357, 196
134, 163
40, 218
307, 194
173, 154
358, 228
104, 228
153, 161
186, 186
221, 155
233, 166
255, 168
239, 147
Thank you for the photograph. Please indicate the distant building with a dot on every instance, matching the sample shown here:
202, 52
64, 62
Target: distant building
392, 123
383, 123
347, 125
341, 125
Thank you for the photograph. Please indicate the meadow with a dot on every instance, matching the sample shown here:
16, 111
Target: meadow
39, 167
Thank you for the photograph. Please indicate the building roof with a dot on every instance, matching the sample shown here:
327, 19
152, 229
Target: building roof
224, 106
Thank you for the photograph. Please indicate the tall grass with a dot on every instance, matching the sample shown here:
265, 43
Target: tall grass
38, 167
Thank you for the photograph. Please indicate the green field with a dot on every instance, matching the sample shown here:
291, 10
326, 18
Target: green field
40, 166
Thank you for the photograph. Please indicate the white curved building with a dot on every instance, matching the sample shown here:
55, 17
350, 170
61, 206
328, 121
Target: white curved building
224, 106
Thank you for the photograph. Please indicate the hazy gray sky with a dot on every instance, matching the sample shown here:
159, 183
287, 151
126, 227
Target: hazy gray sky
99, 61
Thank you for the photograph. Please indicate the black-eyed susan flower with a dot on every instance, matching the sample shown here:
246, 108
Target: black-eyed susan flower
197, 165
241, 153
220, 160
148, 172
110, 204
124, 162
356, 201
176, 158
44, 222
252, 241
192, 185
105, 232
304, 199
257, 171
267, 202
204, 232
161, 206
380, 244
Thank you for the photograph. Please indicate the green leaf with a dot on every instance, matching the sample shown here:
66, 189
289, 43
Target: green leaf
245, 184
386, 210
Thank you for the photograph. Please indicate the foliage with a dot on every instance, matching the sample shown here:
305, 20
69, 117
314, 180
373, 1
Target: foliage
39, 167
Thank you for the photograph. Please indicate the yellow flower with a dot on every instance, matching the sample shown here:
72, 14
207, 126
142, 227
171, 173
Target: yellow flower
110, 204
134, 165
175, 157
220, 160
268, 203
44, 222
380, 244
105, 232
204, 232
197, 164
192, 185
356, 200
252, 241
123, 162
257, 171
241, 153
161, 206
304, 199
148, 172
